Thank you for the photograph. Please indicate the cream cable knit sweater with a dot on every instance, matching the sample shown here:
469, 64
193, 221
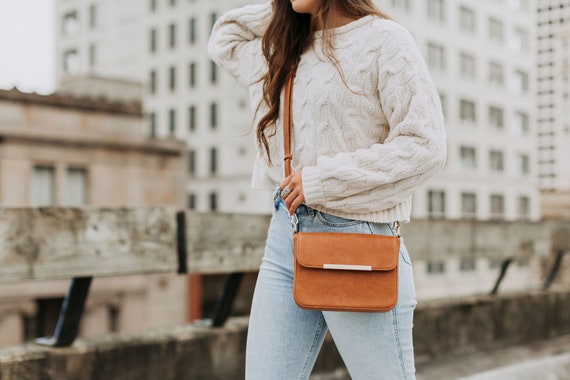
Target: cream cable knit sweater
363, 153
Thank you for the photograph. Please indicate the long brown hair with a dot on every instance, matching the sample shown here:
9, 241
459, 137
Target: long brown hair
287, 36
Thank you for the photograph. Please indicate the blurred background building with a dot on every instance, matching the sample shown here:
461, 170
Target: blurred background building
492, 61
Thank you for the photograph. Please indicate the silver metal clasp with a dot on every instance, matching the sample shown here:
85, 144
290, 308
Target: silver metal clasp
295, 223
397, 228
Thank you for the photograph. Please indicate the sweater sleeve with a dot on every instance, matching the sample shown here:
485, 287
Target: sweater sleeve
386, 174
235, 42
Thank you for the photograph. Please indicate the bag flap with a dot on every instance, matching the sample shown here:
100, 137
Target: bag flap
332, 250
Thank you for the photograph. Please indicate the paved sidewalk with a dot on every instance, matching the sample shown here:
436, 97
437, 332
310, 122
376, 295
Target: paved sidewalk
544, 360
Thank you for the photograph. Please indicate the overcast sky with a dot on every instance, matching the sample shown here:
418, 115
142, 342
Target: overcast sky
27, 44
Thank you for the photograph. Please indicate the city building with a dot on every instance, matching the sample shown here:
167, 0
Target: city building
481, 55
553, 55
62, 150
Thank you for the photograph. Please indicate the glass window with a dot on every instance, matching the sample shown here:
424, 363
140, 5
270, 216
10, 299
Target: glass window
76, 187
467, 111
523, 206
192, 201
468, 66
152, 124
436, 10
213, 201
436, 56
496, 74
192, 118
521, 123
92, 55
436, 204
468, 158
467, 19
153, 40
497, 206
71, 61
213, 72
521, 40
152, 82
70, 24
496, 117
521, 81
496, 30
213, 115
192, 162
172, 78
467, 264
435, 267
523, 164
496, 161
42, 192
468, 205
192, 30
172, 122
213, 161
401, 4
172, 36
92, 16
192, 74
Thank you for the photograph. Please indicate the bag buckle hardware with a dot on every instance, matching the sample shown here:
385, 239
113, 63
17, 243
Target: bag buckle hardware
295, 223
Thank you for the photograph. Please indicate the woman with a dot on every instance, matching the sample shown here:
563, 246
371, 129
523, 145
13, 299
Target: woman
367, 131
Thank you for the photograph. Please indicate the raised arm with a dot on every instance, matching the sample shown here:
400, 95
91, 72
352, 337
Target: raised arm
235, 42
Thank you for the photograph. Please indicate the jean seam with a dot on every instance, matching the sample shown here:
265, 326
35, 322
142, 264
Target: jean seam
348, 223
398, 343
320, 324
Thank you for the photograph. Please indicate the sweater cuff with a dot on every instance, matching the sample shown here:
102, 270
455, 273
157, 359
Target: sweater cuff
312, 186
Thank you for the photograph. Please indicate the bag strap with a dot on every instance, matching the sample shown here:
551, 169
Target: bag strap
287, 130
288, 121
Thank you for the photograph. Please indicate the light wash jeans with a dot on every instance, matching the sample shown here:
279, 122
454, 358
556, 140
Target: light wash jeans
283, 340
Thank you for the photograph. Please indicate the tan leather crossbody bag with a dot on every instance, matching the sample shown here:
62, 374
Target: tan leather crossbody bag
341, 271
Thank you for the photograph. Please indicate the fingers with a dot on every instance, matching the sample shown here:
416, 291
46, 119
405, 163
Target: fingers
292, 191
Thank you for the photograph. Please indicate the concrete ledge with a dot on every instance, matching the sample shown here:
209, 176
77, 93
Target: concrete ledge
194, 352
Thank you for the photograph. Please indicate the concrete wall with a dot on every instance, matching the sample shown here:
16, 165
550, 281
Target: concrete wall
193, 352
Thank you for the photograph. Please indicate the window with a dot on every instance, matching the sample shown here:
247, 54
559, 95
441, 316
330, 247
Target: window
42, 192
152, 82
496, 74
213, 18
213, 115
213, 72
172, 36
153, 40
468, 205
172, 78
467, 67
192, 74
192, 118
172, 122
192, 30
521, 123
152, 5
152, 122
496, 30
435, 267
467, 112
467, 264
172, 3
521, 40
523, 206
496, 161
70, 24
92, 55
401, 4
435, 10
213, 161
467, 19
468, 158
92, 16
192, 201
436, 204
76, 187
192, 162
436, 56
523, 164
521, 81
497, 206
213, 201
496, 117
71, 61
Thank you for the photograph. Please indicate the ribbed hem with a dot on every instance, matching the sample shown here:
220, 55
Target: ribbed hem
398, 213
